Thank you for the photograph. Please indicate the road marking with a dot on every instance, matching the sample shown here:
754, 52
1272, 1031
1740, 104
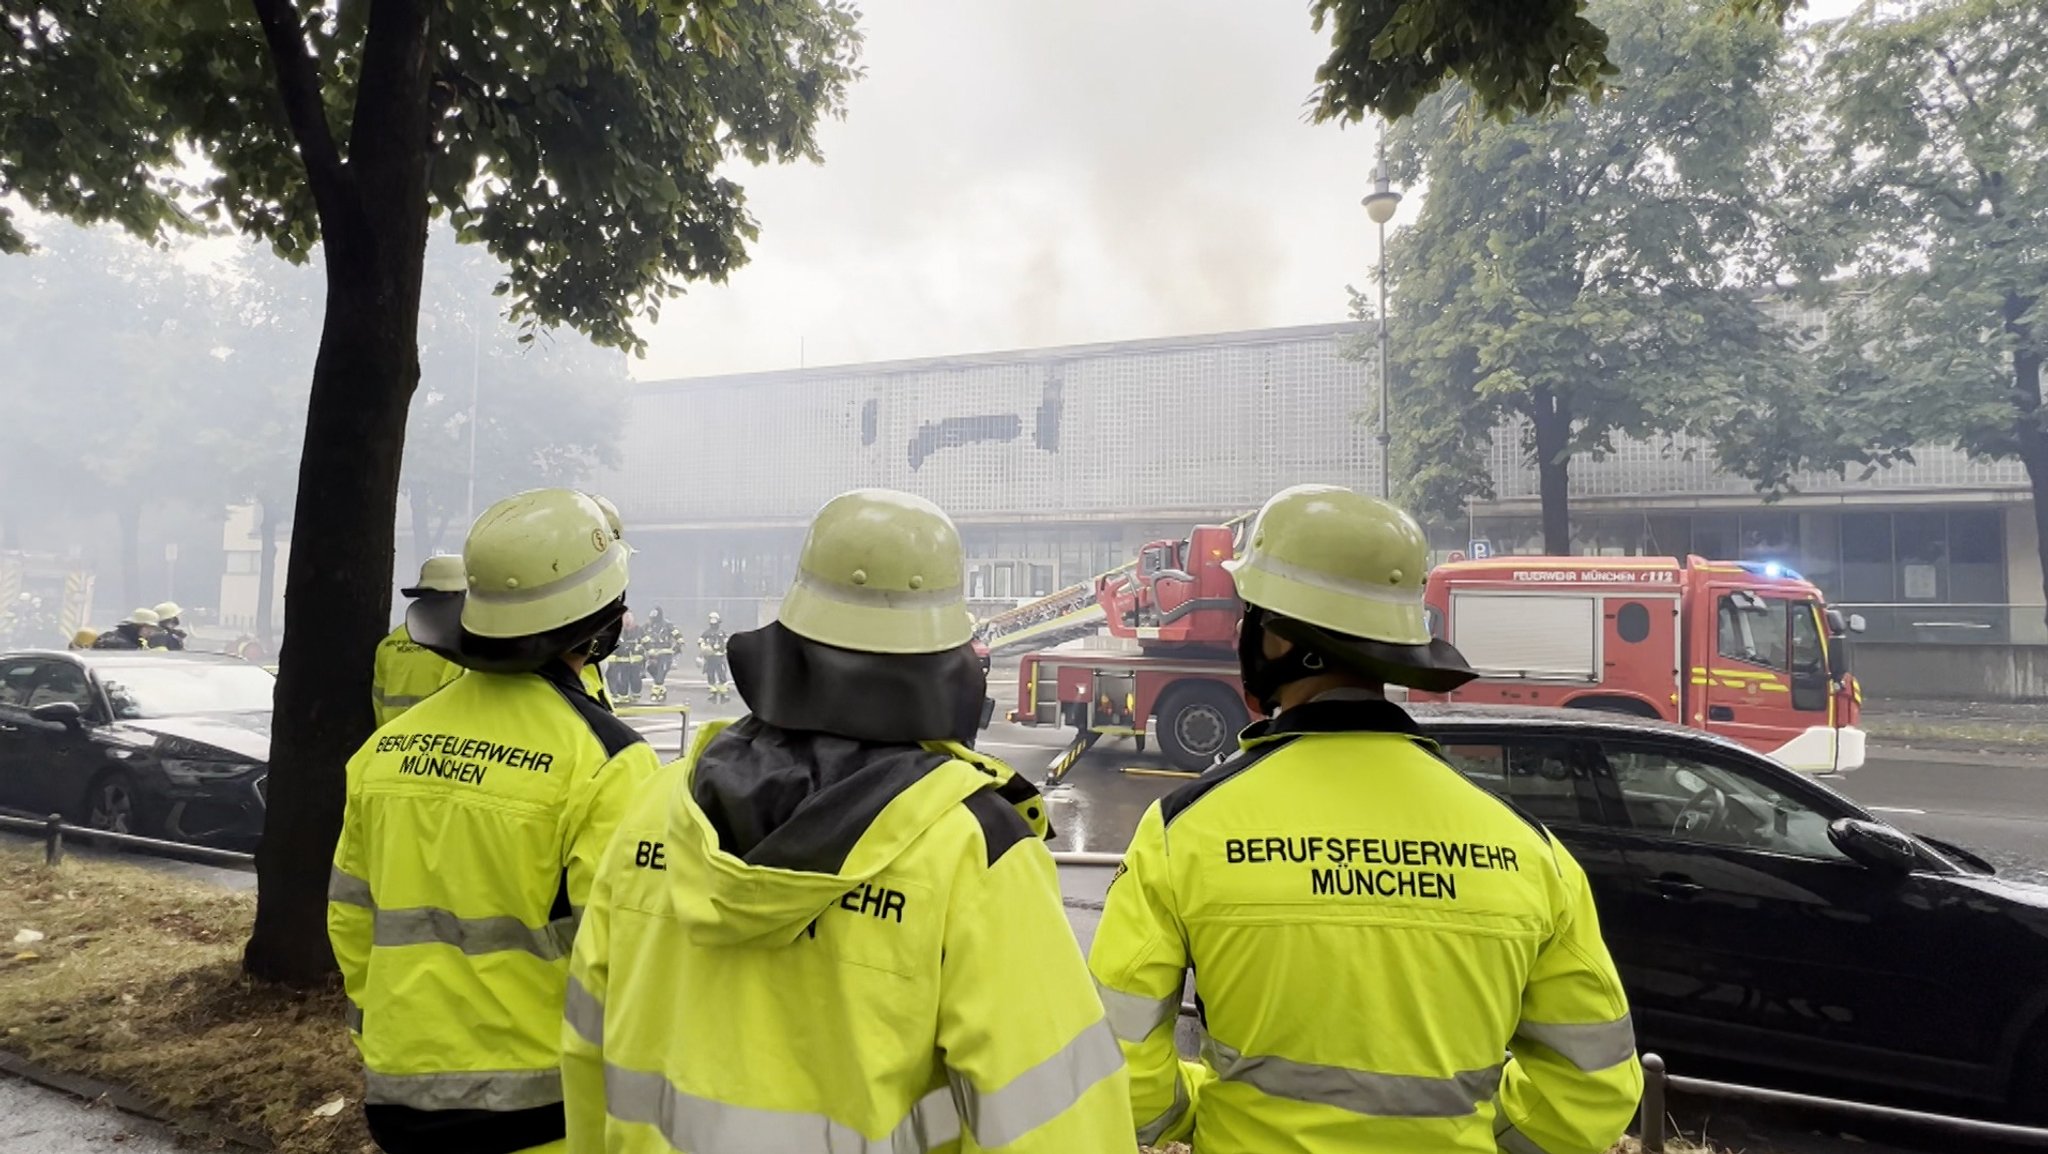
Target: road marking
1894, 809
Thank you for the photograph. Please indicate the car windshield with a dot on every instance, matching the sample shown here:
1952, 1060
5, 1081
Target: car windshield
170, 689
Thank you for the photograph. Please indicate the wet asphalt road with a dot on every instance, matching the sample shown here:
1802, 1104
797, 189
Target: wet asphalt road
38, 1121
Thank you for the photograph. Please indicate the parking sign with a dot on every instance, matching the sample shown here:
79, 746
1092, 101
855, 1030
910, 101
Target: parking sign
1481, 550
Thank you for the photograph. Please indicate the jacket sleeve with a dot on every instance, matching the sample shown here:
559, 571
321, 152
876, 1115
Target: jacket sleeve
380, 676
1573, 1082
351, 911
1033, 1066
1140, 963
583, 1022
597, 803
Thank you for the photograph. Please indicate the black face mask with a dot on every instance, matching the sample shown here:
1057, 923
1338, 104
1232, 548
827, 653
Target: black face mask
1263, 676
603, 645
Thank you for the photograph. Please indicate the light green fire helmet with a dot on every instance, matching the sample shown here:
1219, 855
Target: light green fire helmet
439, 574
881, 572
611, 517
539, 562
1337, 560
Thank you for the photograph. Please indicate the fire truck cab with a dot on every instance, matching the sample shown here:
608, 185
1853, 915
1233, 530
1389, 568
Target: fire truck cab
1747, 650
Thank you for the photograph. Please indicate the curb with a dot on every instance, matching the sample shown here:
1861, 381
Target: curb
94, 1092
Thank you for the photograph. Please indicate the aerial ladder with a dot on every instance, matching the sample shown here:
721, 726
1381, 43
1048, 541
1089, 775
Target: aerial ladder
1171, 593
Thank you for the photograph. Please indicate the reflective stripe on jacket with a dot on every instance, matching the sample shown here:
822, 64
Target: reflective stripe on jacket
813, 945
472, 832
407, 673
1370, 934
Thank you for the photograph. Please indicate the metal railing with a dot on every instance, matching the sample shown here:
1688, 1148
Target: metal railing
53, 830
1948, 623
1658, 1083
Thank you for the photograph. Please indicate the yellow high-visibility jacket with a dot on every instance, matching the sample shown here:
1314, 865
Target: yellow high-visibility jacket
1386, 957
473, 828
810, 944
407, 673
593, 683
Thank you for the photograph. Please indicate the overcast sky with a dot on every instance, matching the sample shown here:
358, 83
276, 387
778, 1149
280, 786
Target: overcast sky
1031, 172
1017, 173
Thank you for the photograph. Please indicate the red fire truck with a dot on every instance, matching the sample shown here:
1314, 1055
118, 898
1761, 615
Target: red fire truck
1178, 608
1747, 650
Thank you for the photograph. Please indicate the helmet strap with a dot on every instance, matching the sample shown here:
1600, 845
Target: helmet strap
606, 643
1265, 676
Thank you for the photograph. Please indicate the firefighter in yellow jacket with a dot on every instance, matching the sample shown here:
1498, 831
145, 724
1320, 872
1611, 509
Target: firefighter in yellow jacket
1385, 956
840, 929
473, 829
407, 672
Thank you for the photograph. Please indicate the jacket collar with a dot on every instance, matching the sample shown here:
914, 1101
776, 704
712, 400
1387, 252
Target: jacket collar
1335, 715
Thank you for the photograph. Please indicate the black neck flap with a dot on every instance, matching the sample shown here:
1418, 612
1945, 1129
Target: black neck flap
1342, 715
794, 683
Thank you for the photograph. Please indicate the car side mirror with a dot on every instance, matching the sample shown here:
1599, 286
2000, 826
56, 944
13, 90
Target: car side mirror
64, 713
1874, 844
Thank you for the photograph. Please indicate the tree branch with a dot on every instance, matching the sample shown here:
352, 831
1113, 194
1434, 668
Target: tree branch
298, 82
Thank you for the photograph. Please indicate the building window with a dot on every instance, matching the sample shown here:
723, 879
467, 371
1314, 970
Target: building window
1717, 536
1770, 537
1867, 558
1921, 541
1976, 556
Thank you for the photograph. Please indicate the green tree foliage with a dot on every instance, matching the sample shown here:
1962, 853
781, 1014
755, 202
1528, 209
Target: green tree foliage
1512, 56
585, 145
1919, 176
1577, 272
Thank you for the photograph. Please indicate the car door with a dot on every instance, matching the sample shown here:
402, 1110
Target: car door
19, 788
1559, 782
1755, 938
1766, 683
58, 759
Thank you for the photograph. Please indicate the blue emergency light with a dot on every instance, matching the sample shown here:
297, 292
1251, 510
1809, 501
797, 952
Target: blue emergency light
1770, 569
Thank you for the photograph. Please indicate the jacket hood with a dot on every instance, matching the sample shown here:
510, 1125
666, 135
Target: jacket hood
771, 826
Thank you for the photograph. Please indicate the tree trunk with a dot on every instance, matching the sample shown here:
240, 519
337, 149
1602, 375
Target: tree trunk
129, 514
2033, 445
266, 576
1553, 420
373, 218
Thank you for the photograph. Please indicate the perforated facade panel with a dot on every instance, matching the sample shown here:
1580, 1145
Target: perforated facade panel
1091, 433
1113, 433
1684, 466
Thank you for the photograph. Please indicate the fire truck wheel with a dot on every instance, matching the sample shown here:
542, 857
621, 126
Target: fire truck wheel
1198, 723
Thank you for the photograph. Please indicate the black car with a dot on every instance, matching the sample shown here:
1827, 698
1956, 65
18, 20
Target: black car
172, 745
1765, 923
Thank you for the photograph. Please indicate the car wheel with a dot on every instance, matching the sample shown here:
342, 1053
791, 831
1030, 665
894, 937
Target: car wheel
1198, 723
113, 805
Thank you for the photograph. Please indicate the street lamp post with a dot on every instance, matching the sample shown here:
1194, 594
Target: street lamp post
1379, 206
